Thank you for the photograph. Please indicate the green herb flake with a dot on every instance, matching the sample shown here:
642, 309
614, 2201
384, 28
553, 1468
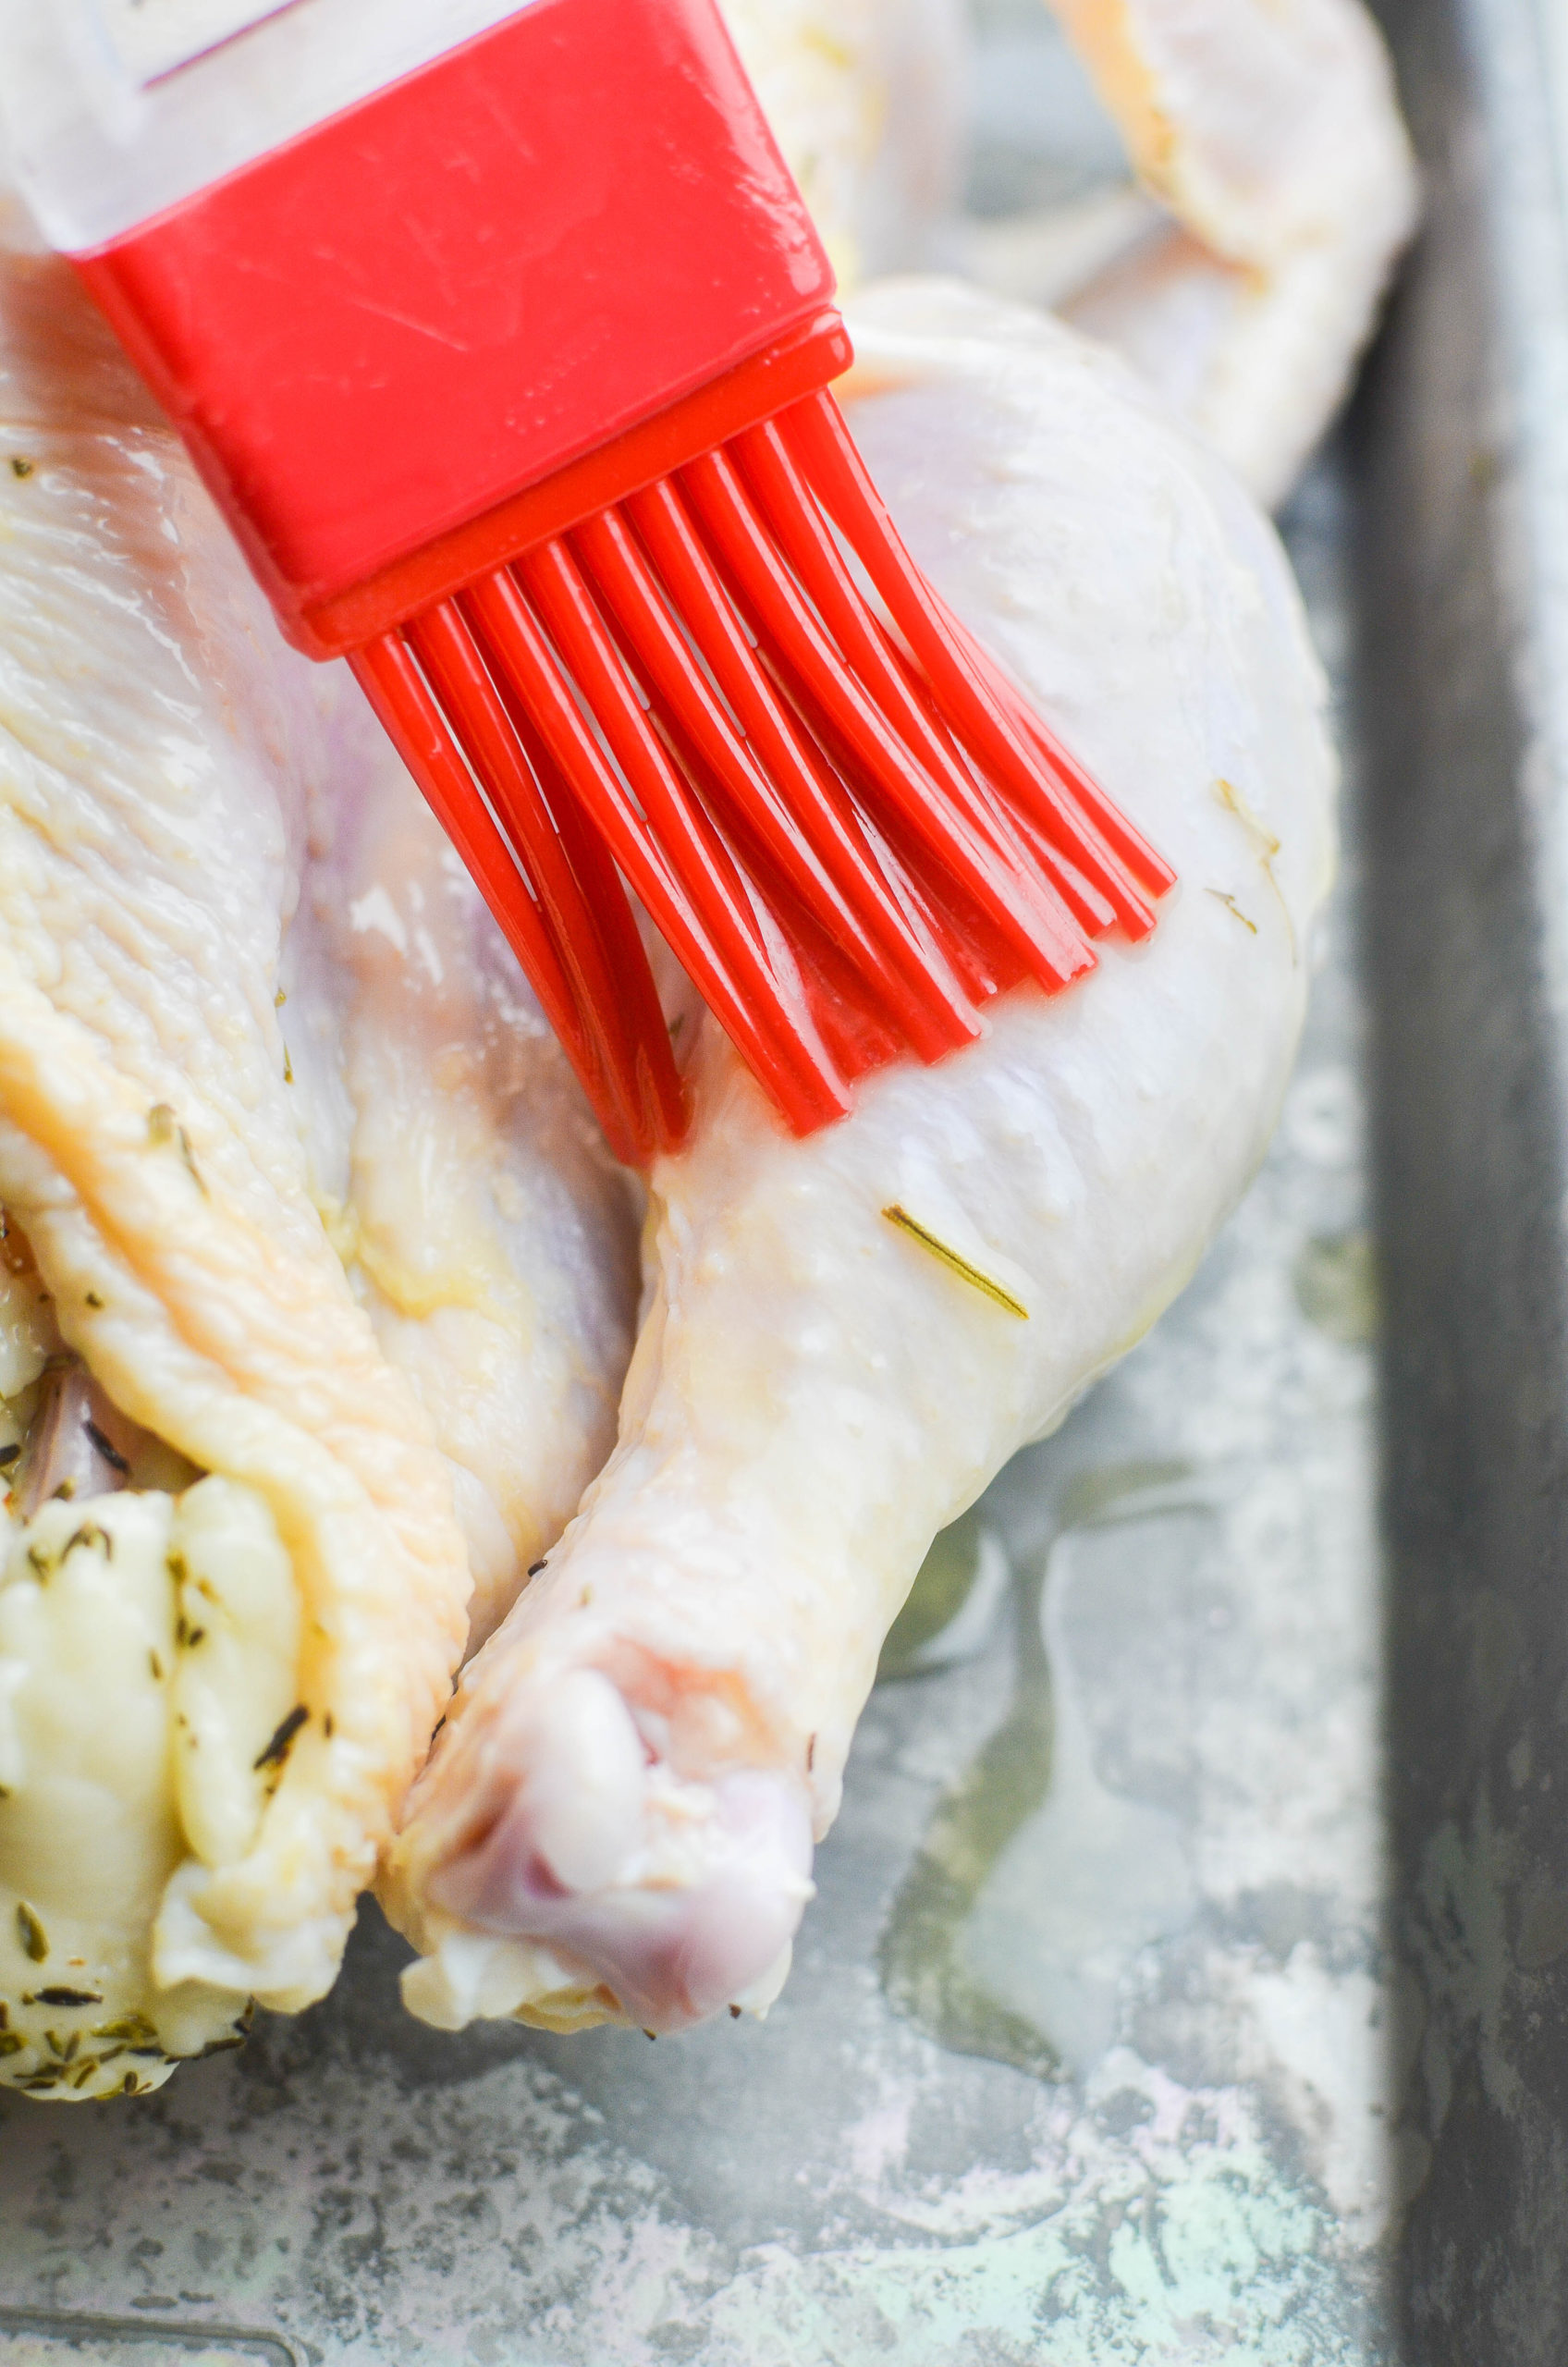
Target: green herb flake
955, 1264
277, 1750
1230, 905
135, 2029
33, 1938
165, 1130
107, 1449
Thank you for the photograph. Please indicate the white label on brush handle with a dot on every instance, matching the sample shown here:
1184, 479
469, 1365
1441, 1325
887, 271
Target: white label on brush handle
111, 111
151, 38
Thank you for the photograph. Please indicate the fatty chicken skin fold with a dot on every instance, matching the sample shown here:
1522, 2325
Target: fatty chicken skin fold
315, 1283
848, 1336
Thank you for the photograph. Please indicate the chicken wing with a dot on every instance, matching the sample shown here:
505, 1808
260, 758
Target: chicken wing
233, 1581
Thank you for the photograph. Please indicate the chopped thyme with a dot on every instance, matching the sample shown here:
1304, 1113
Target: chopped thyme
31, 1933
65, 1997
1230, 905
133, 2027
11, 2042
107, 1449
279, 1748
164, 1128
959, 1265
21, 466
93, 1299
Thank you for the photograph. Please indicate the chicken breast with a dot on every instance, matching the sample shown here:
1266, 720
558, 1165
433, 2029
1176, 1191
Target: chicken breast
306, 1246
849, 1335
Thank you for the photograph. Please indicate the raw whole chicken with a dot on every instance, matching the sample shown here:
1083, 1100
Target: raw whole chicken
849, 1335
316, 1285
233, 1575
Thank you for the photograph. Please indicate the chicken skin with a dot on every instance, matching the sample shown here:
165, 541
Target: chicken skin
848, 1336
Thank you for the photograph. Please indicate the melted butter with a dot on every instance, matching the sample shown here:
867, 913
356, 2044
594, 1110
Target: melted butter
953, 1604
1336, 1285
1048, 1868
148, 1651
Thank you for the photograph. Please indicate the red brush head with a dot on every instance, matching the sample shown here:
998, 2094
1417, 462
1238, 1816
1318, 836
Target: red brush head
511, 379
448, 293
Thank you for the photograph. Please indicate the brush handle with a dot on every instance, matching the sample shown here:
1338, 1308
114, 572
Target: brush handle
115, 110
378, 331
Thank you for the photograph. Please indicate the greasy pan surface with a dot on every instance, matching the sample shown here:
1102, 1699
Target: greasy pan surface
1459, 442
1119, 2031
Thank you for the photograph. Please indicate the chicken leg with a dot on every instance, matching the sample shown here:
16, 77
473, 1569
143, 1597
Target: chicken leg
849, 1335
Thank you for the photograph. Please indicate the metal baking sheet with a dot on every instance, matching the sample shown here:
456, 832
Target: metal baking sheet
1189, 1973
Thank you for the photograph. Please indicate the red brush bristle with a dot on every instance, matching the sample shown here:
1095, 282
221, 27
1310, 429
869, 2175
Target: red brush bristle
844, 820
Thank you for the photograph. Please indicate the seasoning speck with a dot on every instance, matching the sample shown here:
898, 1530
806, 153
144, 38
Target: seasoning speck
279, 1748
106, 1448
955, 1264
31, 1933
1230, 905
163, 1129
21, 467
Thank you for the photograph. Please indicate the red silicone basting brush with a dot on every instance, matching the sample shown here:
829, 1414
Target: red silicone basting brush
502, 336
